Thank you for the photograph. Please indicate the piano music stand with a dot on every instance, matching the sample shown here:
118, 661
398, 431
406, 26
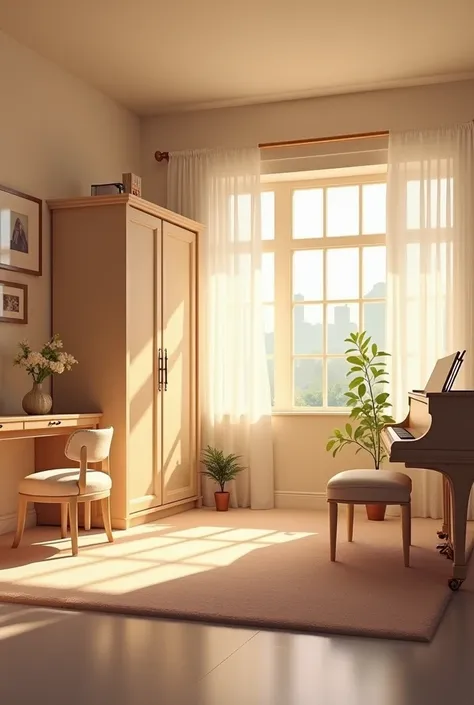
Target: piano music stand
442, 372
454, 371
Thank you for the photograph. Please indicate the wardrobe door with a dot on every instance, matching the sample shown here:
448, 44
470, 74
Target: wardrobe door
143, 340
179, 342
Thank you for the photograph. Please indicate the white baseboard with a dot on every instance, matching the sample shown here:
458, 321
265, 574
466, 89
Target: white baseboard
289, 499
8, 521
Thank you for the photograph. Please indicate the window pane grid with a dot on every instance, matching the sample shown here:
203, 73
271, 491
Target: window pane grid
321, 380
314, 356
328, 212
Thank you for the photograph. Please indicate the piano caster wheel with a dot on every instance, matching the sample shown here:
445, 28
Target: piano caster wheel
455, 584
442, 535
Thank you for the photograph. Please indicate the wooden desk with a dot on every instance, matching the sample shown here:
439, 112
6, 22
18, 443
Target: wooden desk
50, 433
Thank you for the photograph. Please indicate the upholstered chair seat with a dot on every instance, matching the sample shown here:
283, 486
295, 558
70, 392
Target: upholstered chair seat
70, 486
63, 482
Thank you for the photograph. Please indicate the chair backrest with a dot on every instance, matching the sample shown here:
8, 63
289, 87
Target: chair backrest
97, 442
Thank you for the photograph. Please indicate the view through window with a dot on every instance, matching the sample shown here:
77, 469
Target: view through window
324, 276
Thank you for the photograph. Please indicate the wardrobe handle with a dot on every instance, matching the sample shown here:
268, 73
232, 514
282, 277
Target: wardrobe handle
166, 369
160, 369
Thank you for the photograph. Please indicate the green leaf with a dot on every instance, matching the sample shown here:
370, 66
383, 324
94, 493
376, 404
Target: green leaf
380, 398
374, 349
355, 382
353, 360
219, 467
330, 444
349, 430
362, 390
358, 432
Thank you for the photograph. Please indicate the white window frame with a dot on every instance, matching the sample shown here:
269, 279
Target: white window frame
283, 245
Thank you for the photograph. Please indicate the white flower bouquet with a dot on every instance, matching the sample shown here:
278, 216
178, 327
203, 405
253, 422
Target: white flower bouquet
51, 359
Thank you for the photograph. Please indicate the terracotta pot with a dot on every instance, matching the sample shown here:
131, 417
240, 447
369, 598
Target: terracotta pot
37, 402
376, 512
222, 501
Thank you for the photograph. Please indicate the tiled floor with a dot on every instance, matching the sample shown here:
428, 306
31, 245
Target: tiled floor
69, 658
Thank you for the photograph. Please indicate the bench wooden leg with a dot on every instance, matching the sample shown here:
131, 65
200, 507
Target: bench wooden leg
350, 522
333, 529
406, 532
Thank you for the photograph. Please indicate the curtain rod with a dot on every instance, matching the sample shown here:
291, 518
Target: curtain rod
164, 156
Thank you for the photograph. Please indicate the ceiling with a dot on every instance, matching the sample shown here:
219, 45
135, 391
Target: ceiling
154, 56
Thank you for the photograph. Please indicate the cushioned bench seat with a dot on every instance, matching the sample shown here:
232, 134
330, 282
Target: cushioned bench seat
369, 487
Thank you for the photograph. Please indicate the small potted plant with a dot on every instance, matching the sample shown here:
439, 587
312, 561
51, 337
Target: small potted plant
51, 359
368, 404
220, 468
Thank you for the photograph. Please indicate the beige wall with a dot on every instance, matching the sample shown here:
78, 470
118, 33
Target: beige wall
399, 109
302, 464
57, 136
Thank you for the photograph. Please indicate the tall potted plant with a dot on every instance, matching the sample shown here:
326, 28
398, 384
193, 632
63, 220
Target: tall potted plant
369, 405
222, 469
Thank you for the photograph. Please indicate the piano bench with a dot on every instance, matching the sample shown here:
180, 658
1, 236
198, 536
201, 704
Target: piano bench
369, 487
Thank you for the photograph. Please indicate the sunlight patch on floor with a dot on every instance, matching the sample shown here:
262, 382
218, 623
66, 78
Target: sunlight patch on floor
26, 620
143, 556
124, 548
143, 577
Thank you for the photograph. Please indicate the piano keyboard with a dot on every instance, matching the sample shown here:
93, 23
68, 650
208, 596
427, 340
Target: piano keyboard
401, 432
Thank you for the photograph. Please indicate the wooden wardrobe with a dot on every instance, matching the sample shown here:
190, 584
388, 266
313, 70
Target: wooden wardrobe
125, 303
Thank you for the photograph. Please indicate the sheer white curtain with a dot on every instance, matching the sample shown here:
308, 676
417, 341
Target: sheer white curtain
221, 189
430, 268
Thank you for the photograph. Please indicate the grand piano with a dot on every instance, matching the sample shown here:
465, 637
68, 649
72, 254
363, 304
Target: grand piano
438, 434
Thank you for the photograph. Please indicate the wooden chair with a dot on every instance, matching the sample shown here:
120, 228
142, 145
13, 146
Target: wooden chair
369, 487
69, 486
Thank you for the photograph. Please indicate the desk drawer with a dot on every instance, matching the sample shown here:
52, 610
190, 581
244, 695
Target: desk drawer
11, 426
56, 423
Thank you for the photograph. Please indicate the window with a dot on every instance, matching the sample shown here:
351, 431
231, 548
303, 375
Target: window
324, 275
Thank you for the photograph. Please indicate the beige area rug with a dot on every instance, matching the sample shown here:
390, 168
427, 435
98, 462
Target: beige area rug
264, 569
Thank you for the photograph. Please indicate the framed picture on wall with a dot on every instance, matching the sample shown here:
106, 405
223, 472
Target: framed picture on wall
13, 302
20, 232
